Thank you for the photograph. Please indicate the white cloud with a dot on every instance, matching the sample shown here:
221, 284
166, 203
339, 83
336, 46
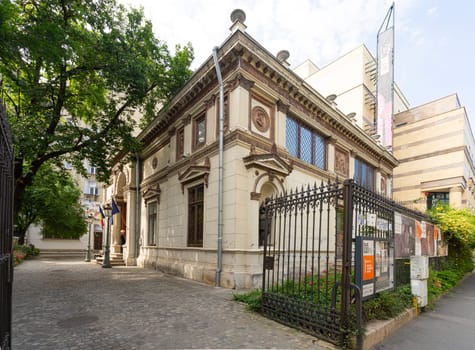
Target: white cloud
318, 30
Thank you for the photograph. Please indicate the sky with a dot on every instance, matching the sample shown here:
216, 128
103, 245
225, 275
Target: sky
434, 40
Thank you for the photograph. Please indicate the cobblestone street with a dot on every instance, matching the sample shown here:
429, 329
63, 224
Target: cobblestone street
66, 304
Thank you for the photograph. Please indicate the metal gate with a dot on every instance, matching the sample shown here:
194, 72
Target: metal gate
6, 216
303, 260
312, 271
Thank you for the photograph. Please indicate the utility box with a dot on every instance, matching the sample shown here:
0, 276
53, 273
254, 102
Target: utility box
419, 276
419, 289
419, 267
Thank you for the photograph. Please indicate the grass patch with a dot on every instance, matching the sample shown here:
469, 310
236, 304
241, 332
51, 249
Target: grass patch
253, 299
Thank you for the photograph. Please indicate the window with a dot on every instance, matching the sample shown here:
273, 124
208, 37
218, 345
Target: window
304, 143
92, 170
93, 190
195, 216
437, 198
199, 132
364, 174
152, 226
180, 143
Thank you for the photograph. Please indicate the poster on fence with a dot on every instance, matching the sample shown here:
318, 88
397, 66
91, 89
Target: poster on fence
404, 236
430, 240
374, 268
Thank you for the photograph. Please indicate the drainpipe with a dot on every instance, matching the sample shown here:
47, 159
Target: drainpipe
220, 174
137, 202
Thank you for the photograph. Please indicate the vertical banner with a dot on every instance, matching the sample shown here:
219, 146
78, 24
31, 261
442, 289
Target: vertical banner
385, 79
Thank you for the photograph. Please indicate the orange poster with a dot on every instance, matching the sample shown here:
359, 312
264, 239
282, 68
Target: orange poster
418, 229
368, 267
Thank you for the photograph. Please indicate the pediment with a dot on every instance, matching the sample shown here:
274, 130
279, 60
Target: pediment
151, 192
269, 162
195, 172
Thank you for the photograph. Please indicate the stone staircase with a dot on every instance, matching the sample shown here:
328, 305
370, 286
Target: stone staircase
116, 259
76, 254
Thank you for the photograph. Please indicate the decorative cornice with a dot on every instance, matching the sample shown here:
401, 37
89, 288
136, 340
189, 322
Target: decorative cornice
210, 102
241, 81
282, 107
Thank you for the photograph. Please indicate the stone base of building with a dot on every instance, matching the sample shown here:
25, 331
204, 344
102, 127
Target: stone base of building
241, 269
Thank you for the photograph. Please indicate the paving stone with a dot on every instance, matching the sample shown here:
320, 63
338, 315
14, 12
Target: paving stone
67, 304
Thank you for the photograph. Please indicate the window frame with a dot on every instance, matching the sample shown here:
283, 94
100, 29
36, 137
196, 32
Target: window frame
195, 224
359, 179
196, 122
314, 134
152, 237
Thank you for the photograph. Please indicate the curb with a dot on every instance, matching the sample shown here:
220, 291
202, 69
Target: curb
378, 330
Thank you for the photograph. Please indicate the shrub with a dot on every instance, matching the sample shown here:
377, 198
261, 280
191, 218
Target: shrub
253, 299
22, 252
387, 304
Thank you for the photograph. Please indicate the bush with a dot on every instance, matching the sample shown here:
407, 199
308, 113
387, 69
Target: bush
387, 304
22, 252
253, 299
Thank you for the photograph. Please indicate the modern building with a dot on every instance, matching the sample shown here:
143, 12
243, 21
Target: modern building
350, 81
433, 142
279, 134
435, 147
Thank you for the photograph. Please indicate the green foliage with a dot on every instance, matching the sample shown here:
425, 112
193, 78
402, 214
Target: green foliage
28, 250
253, 299
22, 252
74, 73
441, 281
458, 224
387, 304
53, 200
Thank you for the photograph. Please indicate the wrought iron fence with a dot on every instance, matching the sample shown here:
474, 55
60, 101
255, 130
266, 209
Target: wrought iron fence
6, 232
302, 259
316, 241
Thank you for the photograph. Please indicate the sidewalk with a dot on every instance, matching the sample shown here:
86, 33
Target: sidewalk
451, 325
66, 304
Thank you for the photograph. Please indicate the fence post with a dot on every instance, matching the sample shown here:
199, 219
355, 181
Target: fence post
347, 249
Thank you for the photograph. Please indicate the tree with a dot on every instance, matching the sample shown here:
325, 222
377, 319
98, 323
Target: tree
54, 200
73, 74
459, 226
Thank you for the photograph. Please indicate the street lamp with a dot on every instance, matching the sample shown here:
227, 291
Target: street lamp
108, 213
90, 221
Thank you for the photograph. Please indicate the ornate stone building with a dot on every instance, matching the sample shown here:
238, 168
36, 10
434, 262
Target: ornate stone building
279, 133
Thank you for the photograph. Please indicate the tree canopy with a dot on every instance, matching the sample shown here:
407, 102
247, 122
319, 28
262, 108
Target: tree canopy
73, 75
54, 200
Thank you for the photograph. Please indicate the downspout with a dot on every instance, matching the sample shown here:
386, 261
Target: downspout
220, 172
137, 207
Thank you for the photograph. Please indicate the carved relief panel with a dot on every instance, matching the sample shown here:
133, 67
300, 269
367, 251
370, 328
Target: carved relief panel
261, 118
342, 162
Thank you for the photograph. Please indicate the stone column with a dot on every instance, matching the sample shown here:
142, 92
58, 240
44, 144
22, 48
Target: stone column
130, 257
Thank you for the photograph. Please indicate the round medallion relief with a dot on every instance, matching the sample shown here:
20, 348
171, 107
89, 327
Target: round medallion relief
154, 162
260, 119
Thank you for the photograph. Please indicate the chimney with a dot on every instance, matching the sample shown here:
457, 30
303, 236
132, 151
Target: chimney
238, 17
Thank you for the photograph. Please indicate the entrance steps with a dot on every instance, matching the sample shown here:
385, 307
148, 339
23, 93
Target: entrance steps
62, 254
116, 259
